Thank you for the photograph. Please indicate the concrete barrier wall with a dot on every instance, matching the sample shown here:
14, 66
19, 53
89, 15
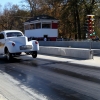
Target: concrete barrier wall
73, 44
67, 52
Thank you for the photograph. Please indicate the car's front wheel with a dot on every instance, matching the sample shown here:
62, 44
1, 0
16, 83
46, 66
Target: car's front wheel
8, 55
34, 54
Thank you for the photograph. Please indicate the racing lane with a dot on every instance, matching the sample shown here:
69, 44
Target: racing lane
35, 81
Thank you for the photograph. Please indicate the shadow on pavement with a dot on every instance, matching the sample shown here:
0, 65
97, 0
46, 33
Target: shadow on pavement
74, 58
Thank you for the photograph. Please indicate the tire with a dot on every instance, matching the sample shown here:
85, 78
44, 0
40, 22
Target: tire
34, 54
8, 55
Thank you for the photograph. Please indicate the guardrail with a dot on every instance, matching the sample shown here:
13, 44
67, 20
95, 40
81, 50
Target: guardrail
73, 44
67, 52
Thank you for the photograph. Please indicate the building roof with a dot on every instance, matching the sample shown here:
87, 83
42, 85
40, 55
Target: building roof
41, 17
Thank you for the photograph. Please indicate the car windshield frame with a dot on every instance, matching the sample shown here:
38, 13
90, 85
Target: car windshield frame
14, 34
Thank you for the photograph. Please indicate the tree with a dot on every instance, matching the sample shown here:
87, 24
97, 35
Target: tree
33, 6
13, 18
71, 13
78, 9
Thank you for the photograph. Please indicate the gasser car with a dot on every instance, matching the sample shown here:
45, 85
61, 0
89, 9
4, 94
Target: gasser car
13, 43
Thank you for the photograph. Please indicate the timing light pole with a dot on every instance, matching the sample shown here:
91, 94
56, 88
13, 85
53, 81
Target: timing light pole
90, 28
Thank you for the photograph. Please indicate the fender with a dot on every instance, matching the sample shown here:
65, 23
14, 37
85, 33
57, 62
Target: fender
8, 44
35, 44
10, 47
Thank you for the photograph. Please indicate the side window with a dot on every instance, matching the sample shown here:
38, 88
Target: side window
1, 36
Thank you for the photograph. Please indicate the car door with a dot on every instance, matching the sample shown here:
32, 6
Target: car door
2, 43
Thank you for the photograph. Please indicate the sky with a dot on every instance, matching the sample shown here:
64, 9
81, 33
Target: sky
3, 2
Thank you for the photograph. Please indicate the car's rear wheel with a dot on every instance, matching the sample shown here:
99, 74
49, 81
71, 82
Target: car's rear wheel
34, 54
8, 55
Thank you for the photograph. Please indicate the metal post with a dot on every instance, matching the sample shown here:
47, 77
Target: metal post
91, 52
90, 45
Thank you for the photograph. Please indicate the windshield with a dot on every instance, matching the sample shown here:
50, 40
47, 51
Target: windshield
14, 34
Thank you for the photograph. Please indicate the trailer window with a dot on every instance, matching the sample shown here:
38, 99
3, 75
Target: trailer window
46, 25
38, 25
32, 26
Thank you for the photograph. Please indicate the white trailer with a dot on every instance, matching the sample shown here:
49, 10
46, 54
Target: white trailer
41, 27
